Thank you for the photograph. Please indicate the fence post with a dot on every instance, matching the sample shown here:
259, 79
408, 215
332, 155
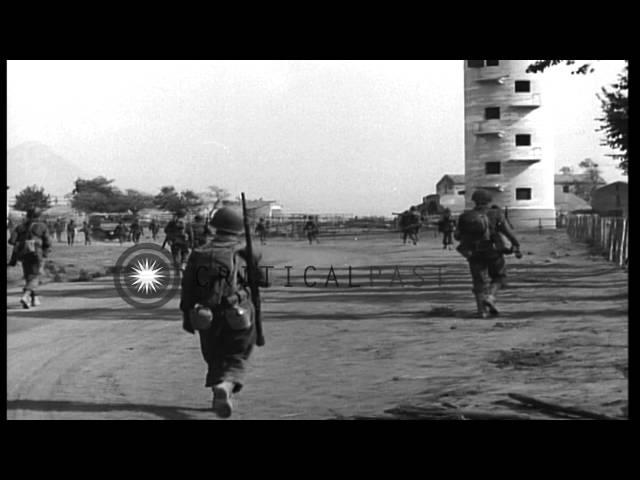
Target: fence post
539, 225
625, 243
611, 236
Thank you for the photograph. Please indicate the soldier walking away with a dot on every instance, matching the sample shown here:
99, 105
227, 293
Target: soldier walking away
481, 233
414, 224
311, 229
155, 228
59, 227
200, 233
86, 229
409, 223
136, 231
261, 230
71, 232
32, 243
120, 232
179, 238
216, 301
447, 225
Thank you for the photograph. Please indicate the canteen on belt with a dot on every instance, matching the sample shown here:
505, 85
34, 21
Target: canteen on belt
201, 317
238, 317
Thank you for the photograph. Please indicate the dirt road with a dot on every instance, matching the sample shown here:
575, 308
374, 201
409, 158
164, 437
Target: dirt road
398, 330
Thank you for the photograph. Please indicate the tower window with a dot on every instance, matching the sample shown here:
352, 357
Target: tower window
475, 63
523, 194
491, 112
523, 140
493, 63
492, 168
565, 189
523, 86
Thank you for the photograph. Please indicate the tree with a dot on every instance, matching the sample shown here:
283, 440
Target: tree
214, 197
191, 200
32, 197
566, 170
615, 122
172, 201
593, 181
615, 107
134, 201
542, 65
96, 195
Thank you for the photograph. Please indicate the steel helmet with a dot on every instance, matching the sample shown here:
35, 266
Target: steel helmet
481, 197
228, 220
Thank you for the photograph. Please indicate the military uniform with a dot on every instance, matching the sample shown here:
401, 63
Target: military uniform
59, 227
120, 232
486, 264
136, 231
71, 232
200, 232
225, 347
312, 231
86, 229
32, 244
261, 230
179, 237
447, 225
155, 228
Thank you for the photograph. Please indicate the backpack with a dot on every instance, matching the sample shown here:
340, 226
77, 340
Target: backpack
482, 235
27, 245
215, 272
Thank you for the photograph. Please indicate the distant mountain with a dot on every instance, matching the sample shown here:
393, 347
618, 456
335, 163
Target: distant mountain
33, 163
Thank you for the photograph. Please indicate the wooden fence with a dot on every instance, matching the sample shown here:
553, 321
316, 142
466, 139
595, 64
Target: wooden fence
610, 235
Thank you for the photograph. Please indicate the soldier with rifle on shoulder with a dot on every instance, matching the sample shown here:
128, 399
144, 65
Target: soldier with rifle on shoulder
223, 306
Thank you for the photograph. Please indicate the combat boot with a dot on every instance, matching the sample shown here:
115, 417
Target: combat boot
480, 304
25, 300
35, 300
490, 299
221, 404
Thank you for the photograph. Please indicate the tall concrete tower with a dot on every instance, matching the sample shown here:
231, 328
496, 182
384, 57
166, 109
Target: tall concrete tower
508, 146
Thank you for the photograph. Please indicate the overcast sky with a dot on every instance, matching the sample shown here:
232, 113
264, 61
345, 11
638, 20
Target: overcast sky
360, 137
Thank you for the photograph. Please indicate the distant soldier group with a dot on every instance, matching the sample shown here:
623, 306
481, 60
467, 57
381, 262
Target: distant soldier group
182, 236
410, 223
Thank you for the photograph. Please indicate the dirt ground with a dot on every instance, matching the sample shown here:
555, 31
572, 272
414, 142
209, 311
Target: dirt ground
401, 333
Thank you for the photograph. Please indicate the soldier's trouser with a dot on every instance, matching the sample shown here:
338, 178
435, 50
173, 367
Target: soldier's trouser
487, 273
31, 271
180, 252
226, 352
70, 238
446, 238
